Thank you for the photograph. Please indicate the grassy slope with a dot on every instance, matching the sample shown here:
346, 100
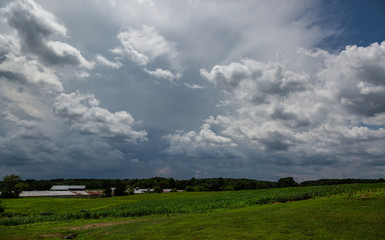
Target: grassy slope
361, 216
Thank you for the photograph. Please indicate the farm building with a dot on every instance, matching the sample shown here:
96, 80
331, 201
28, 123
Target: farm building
61, 193
68, 187
150, 190
142, 190
167, 190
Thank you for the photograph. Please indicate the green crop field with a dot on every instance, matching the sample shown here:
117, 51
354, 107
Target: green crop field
352, 211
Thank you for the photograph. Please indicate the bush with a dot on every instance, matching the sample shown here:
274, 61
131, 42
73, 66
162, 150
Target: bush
287, 182
173, 190
199, 189
228, 188
189, 189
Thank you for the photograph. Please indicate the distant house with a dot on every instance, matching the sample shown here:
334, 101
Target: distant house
68, 187
167, 190
142, 190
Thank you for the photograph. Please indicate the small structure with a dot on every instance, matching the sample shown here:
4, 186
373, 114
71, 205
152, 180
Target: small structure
68, 188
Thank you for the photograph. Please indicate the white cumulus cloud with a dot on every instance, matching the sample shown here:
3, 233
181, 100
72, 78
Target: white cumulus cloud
204, 143
34, 27
104, 61
161, 73
83, 114
145, 44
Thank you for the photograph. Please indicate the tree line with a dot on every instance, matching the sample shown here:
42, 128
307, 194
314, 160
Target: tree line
12, 185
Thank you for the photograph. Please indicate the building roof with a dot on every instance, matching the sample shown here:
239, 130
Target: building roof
142, 190
59, 193
68, 187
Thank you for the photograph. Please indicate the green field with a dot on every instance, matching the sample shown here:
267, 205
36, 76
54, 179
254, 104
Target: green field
354, 211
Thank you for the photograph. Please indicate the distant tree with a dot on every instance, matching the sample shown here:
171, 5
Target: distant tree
106, 184
220, 184
158, 189
287, 182
12, 186
120, 188
171, 183
181, 184
162, 183
192, 182
240, 184
107, 192
2, 207
131, 191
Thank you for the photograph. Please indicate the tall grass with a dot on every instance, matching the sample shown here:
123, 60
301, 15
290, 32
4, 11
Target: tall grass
184, 203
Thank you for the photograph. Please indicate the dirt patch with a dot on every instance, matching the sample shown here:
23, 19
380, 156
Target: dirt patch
61, 235
72, 234
105, 224
368, 195
52, 235
97, 225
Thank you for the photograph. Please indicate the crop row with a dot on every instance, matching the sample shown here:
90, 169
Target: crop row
184, 204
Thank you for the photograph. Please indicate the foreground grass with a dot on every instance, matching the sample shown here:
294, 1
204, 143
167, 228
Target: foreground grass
357, 216
33, 210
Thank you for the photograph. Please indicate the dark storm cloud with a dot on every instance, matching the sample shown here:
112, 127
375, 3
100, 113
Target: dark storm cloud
319, 160
275, 142
14, 76
26, 147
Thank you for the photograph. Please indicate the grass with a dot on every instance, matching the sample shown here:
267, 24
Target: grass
354, 211
334, 217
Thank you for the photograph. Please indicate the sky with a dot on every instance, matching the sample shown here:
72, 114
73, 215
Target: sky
192, 88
